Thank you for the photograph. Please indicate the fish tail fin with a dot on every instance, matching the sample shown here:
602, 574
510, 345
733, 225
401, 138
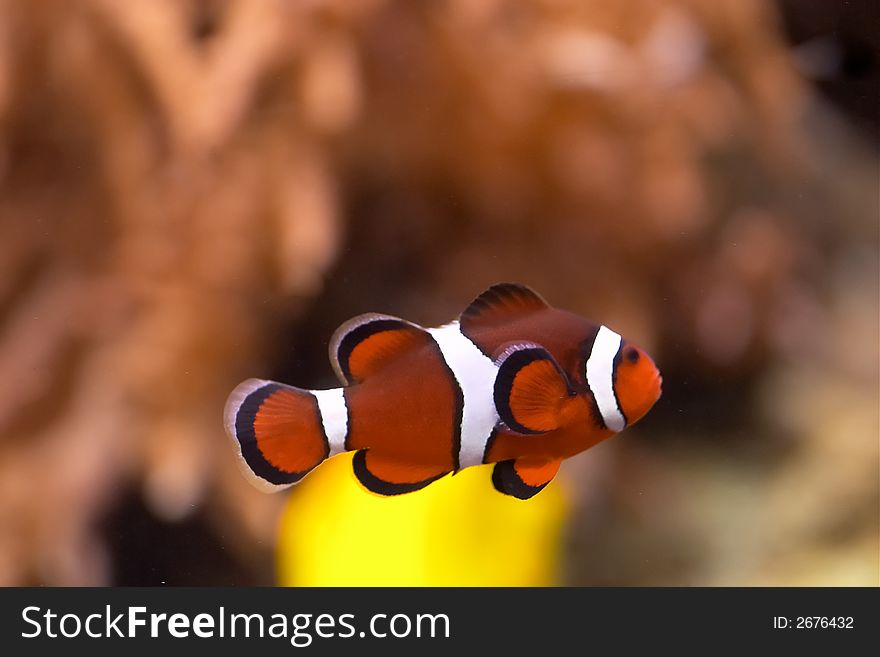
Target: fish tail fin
278, 431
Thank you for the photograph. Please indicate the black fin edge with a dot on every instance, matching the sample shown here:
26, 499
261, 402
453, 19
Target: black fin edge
247, 439
499, 293
357, 335
340, 352
506, 480
509, 365
381, 487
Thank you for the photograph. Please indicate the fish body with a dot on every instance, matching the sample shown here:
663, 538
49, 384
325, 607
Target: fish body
513, 382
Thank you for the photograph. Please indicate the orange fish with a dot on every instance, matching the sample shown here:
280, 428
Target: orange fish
512, 382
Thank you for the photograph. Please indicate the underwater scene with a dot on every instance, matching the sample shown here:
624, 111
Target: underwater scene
411, 267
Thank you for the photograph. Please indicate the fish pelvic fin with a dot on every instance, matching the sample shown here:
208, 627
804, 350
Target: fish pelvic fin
524, 478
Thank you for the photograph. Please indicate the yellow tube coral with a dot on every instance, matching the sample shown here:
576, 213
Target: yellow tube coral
458, 531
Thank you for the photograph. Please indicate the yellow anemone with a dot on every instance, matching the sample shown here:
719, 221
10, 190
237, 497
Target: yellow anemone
459, 531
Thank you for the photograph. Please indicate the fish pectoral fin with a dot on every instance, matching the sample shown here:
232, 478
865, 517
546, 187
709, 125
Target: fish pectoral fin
530, 389
384, 476
524, 477
501, 303
367, 343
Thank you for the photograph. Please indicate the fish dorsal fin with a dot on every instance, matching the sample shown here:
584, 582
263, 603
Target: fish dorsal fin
501, 303
366, 344
524, 477
530, 388
384, 476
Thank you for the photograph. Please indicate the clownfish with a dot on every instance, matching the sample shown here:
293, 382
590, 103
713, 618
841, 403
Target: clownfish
513, 382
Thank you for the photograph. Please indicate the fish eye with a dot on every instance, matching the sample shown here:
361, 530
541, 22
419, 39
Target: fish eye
631, 354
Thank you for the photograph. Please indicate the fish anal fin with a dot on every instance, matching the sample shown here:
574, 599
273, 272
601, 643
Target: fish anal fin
365, 344
501, 303
530, 389
385, 476
524, 477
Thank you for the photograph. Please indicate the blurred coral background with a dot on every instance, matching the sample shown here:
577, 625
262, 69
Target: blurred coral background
195, 192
